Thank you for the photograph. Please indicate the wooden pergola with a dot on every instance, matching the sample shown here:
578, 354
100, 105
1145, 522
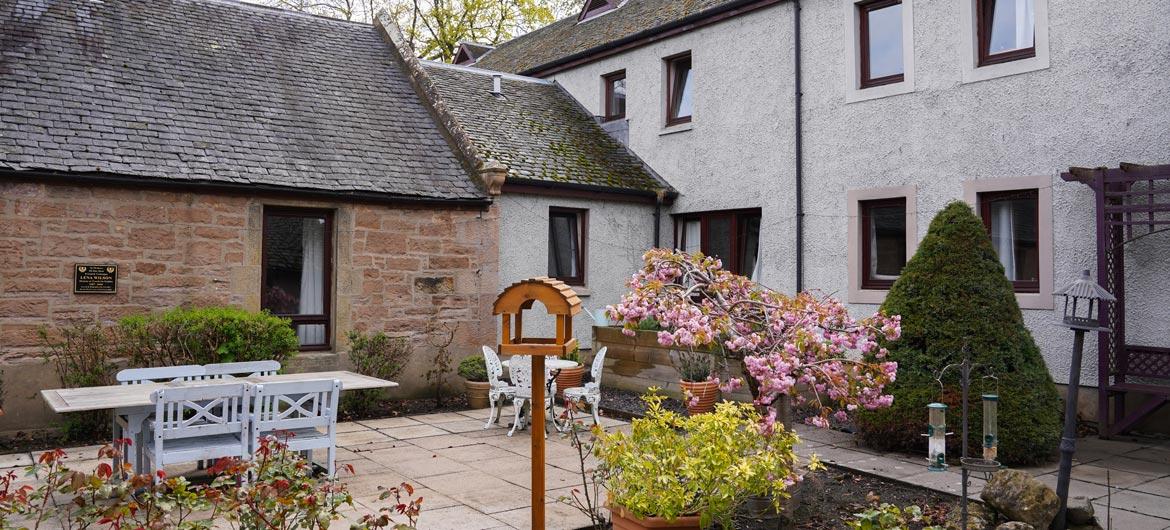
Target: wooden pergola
561, 301
1132, 202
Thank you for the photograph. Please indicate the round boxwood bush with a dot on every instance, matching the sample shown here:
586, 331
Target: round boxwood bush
953, 294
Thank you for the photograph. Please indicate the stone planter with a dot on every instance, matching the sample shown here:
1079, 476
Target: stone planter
707, 393
477, 394
569, 378
623, 520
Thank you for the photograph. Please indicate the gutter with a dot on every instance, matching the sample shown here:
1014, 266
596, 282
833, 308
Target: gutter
545, 187
727, 10
209, 187
798, 144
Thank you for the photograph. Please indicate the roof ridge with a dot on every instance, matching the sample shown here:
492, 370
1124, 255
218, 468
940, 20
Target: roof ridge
485, 72
250, 4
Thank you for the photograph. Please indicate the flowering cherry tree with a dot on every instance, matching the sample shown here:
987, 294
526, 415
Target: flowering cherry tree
785, 343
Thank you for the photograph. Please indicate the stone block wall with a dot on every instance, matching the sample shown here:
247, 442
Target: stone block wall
395, 268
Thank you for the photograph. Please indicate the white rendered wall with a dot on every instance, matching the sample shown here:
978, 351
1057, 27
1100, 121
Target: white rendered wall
619, 233
1103, 99
737, 150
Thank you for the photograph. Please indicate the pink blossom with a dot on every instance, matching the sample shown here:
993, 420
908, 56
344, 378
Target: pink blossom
788, 344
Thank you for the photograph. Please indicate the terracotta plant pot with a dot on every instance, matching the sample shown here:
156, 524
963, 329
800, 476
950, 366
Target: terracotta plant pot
706, 391
569, 378
623, 520
477, 394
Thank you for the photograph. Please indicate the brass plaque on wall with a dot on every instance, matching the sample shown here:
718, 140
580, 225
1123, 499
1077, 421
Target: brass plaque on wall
91, 279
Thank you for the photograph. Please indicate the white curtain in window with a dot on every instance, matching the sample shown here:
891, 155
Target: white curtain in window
1025, 24
312, 279
1003, 236
692, 236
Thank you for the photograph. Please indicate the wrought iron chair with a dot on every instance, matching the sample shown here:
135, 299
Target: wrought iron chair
241, 369
129, 422
591, 392
520, 370
198, 423
499, 389
304, 411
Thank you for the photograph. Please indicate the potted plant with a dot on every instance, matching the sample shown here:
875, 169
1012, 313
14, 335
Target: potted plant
473, 370
570, 377
699, 390
672, 471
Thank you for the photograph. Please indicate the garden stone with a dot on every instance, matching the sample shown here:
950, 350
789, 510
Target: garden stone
1020, 497
979, 517
1016, 525
1080, 511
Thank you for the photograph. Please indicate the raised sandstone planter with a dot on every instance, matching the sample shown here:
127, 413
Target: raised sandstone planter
639, 362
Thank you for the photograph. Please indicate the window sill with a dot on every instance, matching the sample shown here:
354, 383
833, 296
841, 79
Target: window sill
581, 290
1034, 301
867, 296
674, 129
855, 95
995, 71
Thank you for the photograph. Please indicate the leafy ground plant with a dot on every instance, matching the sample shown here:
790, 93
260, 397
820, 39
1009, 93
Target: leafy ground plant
274, 490
888, 517
80, 353
376, 355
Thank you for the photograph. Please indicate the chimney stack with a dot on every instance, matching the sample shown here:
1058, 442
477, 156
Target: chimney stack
497, 84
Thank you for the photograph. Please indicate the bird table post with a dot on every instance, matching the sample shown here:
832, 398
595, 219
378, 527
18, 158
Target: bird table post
562, 302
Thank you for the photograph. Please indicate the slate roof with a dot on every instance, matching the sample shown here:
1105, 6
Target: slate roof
538, 130
216, 91
566, 37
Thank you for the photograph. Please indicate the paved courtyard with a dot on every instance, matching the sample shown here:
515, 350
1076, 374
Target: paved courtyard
471, 478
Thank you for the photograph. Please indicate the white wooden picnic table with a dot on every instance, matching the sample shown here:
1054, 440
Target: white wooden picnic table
138, 396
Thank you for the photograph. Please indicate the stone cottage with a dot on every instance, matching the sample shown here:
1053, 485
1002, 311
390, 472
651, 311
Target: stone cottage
213, 152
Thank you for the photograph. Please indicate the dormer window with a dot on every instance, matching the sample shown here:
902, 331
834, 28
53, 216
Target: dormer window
596, 7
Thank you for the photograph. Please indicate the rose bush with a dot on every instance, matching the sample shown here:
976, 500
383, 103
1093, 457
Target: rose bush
785, 343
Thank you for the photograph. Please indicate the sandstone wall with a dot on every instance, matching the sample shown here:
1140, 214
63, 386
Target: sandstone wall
395, 269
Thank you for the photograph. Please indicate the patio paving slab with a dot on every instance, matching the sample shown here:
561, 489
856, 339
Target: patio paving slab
1157, 487
558, 516
444, 441
15, 460
458, 518
1127, 520
412, 431
390, 423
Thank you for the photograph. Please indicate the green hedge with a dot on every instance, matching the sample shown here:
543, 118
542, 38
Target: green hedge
205, 335
952, 293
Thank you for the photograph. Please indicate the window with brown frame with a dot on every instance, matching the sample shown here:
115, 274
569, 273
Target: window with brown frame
880, 42
567, 233
733, 236
297, 271
883, 241
1012, 219
1006, 30
679, 88
615, 95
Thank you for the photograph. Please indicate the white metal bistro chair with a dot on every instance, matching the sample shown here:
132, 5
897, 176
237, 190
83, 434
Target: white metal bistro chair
198, 423
241, 369
591, 392
500, 389
302, 414
129, 422
520, 370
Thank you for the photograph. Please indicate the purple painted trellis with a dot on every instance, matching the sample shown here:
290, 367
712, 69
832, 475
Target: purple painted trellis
1132, 202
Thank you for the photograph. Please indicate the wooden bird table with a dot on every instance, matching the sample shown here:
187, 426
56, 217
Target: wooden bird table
560, 300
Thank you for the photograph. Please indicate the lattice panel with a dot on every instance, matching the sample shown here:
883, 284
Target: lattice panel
1151, 363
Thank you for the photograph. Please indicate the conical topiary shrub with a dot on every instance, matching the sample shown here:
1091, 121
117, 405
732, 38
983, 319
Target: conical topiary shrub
952, 293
